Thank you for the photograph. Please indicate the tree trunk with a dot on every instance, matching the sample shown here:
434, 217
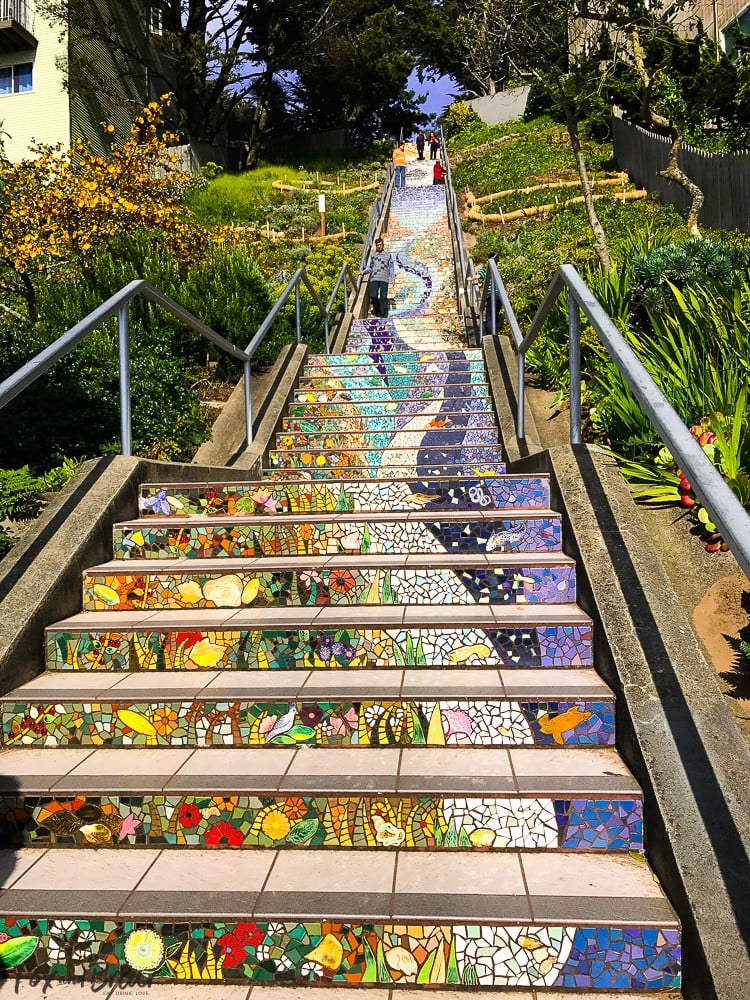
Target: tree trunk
600, 238
674, 172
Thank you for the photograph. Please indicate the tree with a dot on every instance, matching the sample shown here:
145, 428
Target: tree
354, 75
197, 49
59, 206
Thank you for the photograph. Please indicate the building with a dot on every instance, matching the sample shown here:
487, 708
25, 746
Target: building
60, 81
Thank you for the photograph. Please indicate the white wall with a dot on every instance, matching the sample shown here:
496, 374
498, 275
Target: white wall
503, 107
42, 114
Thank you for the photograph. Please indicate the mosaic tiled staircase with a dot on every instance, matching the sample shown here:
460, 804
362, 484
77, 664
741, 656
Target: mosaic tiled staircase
369, 675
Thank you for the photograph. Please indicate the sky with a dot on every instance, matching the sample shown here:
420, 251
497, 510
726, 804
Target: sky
439, 93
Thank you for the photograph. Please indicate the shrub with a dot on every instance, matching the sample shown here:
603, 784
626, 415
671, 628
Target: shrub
458, 118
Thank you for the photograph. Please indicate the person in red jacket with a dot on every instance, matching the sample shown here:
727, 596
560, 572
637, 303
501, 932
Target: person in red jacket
438, 177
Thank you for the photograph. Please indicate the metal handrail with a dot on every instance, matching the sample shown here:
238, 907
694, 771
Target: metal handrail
376, 214
463, 261
723, 507
344, 273
118, 305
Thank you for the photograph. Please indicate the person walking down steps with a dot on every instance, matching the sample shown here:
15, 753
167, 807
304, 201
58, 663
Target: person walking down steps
399, 163
434, 146
382, 273
420, 145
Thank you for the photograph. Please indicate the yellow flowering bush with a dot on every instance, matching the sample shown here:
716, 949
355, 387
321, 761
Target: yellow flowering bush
59, 206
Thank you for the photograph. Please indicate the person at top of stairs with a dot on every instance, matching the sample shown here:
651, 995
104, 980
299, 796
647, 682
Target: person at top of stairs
399, 163
382, 273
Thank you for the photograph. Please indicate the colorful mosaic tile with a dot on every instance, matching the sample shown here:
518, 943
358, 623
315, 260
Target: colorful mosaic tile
259, 588
424, 458
238, 723
344, 472
367, 821
307, 538
485, 955
547, 646
367, 440
494, 493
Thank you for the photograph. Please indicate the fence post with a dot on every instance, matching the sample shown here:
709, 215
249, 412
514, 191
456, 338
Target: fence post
297, 312
123, 350
520, 421
574, 360
248, 404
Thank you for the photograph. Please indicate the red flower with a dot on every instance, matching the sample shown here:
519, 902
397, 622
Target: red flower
249, 933
233, 943
223, 834
189, 815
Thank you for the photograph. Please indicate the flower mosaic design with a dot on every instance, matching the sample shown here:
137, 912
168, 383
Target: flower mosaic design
453, 955
534, 646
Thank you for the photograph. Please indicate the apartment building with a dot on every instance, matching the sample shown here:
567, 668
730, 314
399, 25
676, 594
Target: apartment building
60, 82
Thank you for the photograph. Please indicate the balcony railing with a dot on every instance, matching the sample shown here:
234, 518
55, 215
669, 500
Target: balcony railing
21, 11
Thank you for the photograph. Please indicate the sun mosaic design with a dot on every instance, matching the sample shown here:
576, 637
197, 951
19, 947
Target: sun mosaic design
241, 723
521, 955
308, 538
267, 499
330, 586
425, 822
270, 649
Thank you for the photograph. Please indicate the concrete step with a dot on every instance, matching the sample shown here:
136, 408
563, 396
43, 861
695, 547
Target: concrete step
342, 580
24, 990
335, 532
494, 919
412, 798
362, 708
361, 496
512, 636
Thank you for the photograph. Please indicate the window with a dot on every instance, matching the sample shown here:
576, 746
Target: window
155, 21
17, 79
734, 31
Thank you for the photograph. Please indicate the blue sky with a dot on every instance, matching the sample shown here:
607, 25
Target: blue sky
438, 93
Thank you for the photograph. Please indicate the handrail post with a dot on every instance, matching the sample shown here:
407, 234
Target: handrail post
574, 361
123, 350
328, 346
346, 296
493, 308
298, 312
248, 403
521, 394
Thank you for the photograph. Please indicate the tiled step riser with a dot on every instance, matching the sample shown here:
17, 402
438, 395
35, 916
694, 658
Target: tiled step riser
308, 538
405, 472
440, 823
473, 356
292, 498
367, 366
393, 342
200, 647
466, 423
239, 722
430, 392
525, 583
358, 440
338, 951
391, 380
343, 407
427, 456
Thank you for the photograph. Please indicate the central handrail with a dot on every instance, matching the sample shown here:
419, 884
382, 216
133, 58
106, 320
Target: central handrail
118, 305
723, 507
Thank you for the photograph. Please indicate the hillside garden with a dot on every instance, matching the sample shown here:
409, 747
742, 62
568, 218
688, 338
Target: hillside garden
78, 227
683, 303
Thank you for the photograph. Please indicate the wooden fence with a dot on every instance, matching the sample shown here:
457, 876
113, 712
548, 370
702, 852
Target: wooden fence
723, 178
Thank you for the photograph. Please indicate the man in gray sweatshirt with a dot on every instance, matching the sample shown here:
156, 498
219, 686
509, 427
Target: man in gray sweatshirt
382, 273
